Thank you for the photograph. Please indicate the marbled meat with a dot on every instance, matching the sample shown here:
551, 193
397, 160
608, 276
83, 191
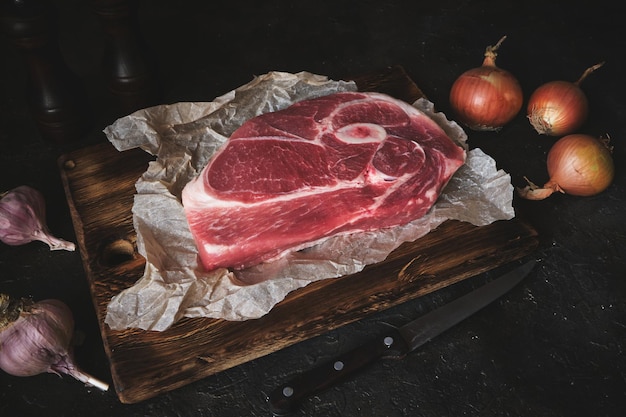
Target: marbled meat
342, 163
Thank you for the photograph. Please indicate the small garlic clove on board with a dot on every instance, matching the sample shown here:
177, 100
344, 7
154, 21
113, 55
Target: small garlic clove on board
22, 219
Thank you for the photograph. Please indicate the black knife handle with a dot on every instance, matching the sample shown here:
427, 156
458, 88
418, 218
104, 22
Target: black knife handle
285, 398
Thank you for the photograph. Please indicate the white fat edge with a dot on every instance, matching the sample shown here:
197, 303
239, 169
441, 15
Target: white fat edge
215, 249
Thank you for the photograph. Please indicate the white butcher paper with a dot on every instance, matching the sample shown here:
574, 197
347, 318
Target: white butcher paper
184, 136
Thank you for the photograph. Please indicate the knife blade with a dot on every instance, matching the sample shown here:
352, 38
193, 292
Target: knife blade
284, 399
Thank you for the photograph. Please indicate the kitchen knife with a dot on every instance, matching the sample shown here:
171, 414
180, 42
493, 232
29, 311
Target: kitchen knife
395, 343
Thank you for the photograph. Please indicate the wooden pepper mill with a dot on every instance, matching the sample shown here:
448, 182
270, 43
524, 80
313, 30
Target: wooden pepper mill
129, 69
56, 96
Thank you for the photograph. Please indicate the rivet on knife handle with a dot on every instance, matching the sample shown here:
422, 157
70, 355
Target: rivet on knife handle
285, 398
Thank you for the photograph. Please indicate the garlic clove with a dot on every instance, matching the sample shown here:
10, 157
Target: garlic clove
22, 219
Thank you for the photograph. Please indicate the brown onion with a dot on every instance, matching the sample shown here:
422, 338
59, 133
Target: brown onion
559, 107
579, 165
486, 98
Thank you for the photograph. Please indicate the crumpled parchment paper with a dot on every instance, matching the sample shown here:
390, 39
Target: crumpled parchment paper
184, 136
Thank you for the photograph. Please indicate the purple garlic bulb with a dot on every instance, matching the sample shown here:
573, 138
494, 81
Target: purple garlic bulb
23, 219
36, 338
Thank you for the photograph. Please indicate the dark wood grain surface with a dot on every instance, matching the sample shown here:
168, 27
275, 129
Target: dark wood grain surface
99, 185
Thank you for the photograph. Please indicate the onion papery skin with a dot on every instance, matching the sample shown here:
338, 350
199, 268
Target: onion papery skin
486, 98
557, 108
579, 165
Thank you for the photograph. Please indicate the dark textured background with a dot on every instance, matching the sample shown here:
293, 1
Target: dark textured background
552, 347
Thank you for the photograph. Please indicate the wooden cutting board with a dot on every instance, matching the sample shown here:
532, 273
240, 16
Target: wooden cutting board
99, 184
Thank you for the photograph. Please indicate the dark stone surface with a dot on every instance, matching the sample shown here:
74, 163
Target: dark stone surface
554, 346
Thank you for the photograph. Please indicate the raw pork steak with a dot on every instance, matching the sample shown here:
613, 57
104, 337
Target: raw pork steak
342, 163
